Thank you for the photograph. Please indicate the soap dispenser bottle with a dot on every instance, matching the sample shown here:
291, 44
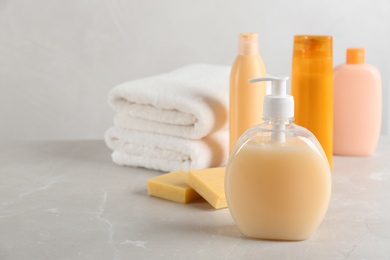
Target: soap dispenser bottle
357, 106
245, 110
277, 180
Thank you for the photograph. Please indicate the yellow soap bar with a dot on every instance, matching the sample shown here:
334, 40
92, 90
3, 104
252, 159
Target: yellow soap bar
209, 183
172, 186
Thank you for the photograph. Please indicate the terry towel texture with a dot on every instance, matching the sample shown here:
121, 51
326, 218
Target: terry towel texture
172, 121
166, 153
190, 102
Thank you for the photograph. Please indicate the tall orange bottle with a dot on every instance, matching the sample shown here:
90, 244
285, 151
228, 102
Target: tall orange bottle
312, 87
357, 106
245, 110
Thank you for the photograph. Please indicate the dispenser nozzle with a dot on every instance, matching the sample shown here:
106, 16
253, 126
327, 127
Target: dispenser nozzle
278, 104
278, 84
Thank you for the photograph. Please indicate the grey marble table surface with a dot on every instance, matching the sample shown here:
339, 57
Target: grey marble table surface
67, 200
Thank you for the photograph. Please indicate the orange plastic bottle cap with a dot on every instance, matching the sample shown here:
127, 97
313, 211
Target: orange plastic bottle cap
313, 46
355, 55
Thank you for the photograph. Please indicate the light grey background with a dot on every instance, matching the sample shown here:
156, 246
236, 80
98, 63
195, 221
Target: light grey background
59, 59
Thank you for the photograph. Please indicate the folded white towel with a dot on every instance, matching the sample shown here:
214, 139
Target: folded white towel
190, 102
166, 153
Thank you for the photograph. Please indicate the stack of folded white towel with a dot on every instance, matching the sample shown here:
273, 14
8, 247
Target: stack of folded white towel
172, 121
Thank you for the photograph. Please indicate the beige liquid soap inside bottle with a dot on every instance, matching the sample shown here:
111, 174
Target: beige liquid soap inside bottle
278, 180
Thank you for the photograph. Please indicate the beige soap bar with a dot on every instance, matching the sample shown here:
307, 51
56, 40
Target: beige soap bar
209, 183
172, 186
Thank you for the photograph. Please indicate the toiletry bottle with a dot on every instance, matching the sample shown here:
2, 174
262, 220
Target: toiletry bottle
244, 110
357, 106
312, 87
277, 180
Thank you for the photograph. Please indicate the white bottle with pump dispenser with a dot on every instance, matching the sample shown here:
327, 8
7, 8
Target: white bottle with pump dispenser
277, 179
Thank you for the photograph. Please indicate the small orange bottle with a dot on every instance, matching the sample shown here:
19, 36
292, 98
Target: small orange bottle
312, 87
245, 110
357, 106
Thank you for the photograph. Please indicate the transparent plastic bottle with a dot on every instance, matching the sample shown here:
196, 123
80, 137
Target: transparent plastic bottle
277, 179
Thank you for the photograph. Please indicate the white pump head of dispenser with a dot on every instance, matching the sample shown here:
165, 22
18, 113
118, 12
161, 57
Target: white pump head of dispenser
278, 104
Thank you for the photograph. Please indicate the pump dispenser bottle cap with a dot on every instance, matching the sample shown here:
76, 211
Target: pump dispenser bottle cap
278, 104
277, 107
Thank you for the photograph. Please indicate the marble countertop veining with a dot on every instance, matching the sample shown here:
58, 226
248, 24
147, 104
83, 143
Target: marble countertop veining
67, 200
